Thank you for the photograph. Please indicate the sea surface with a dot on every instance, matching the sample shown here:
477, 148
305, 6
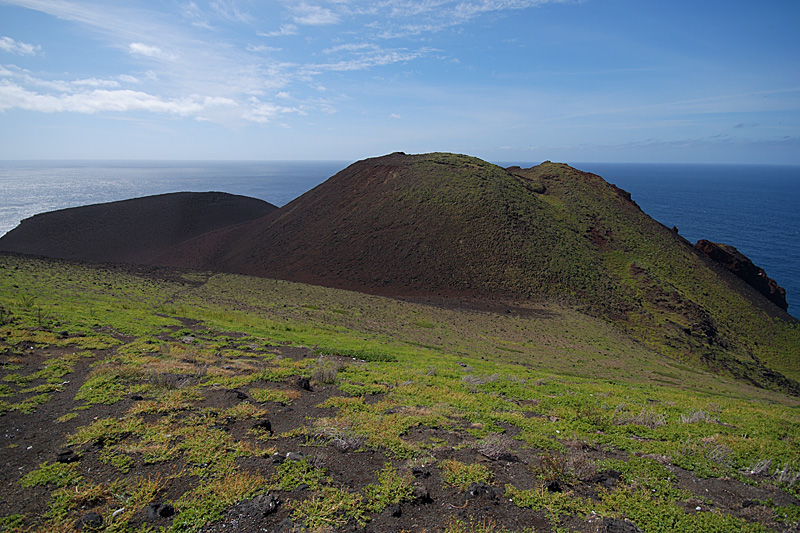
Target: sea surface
754, 208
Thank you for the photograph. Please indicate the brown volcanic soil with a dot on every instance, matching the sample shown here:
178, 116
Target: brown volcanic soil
30, 439
429, 225
130, 231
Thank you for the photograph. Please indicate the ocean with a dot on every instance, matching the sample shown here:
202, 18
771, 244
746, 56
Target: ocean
755, 208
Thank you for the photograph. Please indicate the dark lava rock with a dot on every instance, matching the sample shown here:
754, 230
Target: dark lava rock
617, 525
240, 395
136, 397
155, 511
67, 456
265, 504
420, 472
396, 511
89, 522
266, 425
287, 526
294, 456
482, 489
554, 486
421, 495
607, 478
304, 384
739, 264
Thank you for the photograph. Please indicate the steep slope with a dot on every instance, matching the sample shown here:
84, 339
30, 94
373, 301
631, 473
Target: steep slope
130, 231
451, 225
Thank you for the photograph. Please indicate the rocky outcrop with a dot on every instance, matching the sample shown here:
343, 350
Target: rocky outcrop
738, 263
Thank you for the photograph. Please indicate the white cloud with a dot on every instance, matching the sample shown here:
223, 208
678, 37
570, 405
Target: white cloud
154, 52
311, 15
192, 12
261, 48
394, 115
228, 10
14, 96
375, 57
7, 44
286, 29
263, 112
94, 82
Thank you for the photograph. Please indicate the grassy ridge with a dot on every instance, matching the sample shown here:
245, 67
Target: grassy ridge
547, 385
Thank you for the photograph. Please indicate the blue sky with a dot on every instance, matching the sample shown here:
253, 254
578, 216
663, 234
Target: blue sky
505, 80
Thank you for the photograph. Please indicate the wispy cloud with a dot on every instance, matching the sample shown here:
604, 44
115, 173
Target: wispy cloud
178, 70
150, 51
99, 100
313, 15
7, 44
228, 10
286, 29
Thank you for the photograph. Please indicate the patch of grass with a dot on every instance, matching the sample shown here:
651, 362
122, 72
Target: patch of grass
122, 462
475, 525
11, 523
291, 474
103, 387
654, 514
330, 508
392, 488
555, 504
206, 502
28, 406
284, 397
462, 475
326, 370
107, 431
58, 474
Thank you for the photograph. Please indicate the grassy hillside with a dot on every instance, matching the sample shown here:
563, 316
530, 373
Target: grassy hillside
447, 225
153, 400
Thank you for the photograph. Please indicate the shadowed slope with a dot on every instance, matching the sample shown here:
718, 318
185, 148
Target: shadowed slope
130, 231
451, 225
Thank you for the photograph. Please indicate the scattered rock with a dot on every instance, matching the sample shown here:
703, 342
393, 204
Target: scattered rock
396, 511
265, 504
477, 490
240, 395
607, 478
554, 486
67, 456
155, 511
294, 456
89, 522
265, 425
287, 526
304, 384
136, 397
618, 525
421, 494
420, 472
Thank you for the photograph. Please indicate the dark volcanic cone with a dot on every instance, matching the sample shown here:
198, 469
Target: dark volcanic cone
445, 225
130, 231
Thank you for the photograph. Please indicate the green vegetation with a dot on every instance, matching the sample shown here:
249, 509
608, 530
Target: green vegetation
164, 388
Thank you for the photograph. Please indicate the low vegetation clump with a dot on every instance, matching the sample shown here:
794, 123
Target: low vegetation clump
142, 403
